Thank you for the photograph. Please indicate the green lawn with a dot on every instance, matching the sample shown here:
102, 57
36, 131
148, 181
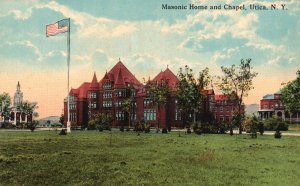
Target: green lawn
88, 158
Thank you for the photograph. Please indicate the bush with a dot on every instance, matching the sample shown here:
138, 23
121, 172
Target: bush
188, 131
198, 131
261, 128
63, 132
92, 125
7, 125
164, 131
100, 128
277, 134
32, 125
275, 123
231, 131
127, 129
122, 129
145, 126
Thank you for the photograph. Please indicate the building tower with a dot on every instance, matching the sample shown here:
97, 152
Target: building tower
93, 96
18, 97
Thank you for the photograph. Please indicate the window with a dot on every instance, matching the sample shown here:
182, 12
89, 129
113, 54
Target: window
107, 95
73, 116
133, 116
72, 106
133, 93
107, 104
147, 102
227, 108
118, 103
93, 95
221, 109
266, 107
221, 118
107, 86
120, 115
71, 98
149, 114
93, 104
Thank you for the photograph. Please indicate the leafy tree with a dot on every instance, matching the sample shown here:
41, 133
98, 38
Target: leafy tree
101, 121
28, 108
158, 92
236, 83
127, 106
190, 92
275, 123
291, 94
62, 119
5, 102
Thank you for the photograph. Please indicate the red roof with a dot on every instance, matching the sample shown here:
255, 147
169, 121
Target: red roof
119, 83
120, 75
94, 84
209, 92
81, 91
167, 75
221, 97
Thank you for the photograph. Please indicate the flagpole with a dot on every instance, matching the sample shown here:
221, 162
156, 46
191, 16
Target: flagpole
68, 43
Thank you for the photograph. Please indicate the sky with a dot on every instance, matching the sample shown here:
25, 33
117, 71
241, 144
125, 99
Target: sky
146, 38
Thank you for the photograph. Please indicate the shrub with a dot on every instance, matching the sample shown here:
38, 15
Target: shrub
63, 132
275, 123
198, 131
127, 129
100, 128
32, 125
261, 128
122, 129
282, 126
188, 131
145, 126
277, 134
92, 125
231, 131
164, 131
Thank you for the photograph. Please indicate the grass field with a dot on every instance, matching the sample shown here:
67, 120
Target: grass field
91, 158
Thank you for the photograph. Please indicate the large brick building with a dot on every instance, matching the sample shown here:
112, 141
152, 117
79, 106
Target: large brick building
108, 94
271, 105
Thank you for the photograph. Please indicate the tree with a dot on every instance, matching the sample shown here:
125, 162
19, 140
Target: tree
291, 94
158, 92
29, 109
127, 106
190, 92
101, 121
62, 119
5, 102
236, 83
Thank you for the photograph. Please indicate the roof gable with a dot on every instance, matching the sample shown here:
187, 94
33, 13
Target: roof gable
120, 76
94, 84
169, 76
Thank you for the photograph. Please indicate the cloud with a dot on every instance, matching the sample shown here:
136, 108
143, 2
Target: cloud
30, 45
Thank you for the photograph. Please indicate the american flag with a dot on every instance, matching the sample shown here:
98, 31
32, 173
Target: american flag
58, 27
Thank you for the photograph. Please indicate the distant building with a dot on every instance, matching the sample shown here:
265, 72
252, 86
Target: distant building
108, 94
222, 107
271, 105
16, 115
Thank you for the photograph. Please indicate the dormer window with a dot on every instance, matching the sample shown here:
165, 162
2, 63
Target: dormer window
93, 95
107, 85
93, 105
